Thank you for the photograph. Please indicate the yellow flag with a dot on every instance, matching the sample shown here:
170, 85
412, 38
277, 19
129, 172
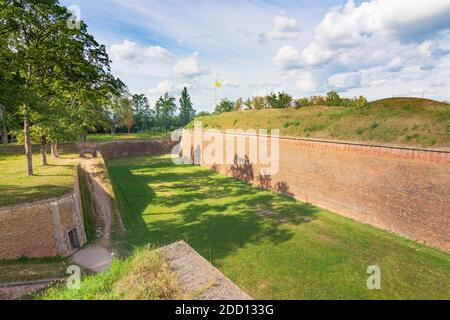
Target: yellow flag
218, 84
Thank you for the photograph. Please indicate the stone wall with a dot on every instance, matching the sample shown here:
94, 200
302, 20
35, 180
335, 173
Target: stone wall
402, 190
41, 229
118, 149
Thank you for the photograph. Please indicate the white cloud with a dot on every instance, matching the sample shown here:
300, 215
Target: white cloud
287, 57
131, 52
345, 80
314, 55
231, 83
127, 51
306, 83
158, 52
405, 20
189, 67
284, 28
162, 88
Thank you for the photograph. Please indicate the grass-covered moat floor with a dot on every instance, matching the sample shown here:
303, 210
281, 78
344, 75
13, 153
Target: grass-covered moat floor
270, 245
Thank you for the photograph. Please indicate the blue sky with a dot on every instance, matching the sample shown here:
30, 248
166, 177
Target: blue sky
377, 48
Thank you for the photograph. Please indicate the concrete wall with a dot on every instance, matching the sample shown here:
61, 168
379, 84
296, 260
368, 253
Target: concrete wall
405, 191
41, 229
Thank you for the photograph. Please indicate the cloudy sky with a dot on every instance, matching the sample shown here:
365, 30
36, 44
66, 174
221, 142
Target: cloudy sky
377, 48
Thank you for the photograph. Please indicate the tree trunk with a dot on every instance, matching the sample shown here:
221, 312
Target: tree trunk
28, 147
129, 130
4, 131
44, 161
54, 149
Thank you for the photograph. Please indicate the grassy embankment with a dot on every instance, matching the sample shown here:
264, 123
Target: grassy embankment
144, 276
106, 137
400, 121
271, 245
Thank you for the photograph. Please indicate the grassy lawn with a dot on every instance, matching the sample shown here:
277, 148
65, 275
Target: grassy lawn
47, 182
410, 122
271, 245
32, 269
106, 137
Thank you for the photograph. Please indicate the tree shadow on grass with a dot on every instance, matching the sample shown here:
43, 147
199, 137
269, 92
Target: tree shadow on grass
13, 195
216, 215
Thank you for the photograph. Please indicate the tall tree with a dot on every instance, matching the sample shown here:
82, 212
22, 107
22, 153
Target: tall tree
47, 52
165, 111
126, 113
144, 115
187, 112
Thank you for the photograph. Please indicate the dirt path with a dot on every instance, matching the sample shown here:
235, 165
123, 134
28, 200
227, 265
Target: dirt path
98, 256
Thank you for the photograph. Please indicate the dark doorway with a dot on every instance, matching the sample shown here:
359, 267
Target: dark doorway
73, 238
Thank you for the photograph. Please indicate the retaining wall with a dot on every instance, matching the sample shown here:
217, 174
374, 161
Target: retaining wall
118, 149
402, 190
41, 229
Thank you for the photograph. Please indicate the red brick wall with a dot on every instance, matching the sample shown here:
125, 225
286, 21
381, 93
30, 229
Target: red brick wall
405, 191
41, 229
117, 149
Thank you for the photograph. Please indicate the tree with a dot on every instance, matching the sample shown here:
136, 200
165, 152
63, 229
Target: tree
187, 112
238, 105
259, 103
317, 101
248, 104
144, 116
225, 105
126, 113
279, 101
46, 53
165, 111
301, 103
333, 99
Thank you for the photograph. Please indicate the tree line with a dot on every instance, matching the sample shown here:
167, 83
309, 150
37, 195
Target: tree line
283, 100
56, 82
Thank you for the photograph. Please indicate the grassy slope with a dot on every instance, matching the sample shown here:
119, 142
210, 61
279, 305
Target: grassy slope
16, 187
144, 276
403, 121
105, 137
271, 245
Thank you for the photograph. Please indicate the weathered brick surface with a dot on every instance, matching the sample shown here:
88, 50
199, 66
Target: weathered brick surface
404, 191
117, 149
41, 229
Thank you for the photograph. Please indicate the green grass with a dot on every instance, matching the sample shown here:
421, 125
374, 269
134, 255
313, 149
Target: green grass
270, 245
32, 269
106, 137
145, 275
401, 121
47, 182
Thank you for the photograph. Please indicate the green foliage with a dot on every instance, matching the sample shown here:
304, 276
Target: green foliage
187, 112
259, 103
165, 112
225, 105
279, 100
333, 99
143, 114
301, 103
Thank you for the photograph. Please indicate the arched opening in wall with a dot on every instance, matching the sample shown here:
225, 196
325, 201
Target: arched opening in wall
73, 238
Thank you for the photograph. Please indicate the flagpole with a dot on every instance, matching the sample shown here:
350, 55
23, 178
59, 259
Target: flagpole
215, 94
